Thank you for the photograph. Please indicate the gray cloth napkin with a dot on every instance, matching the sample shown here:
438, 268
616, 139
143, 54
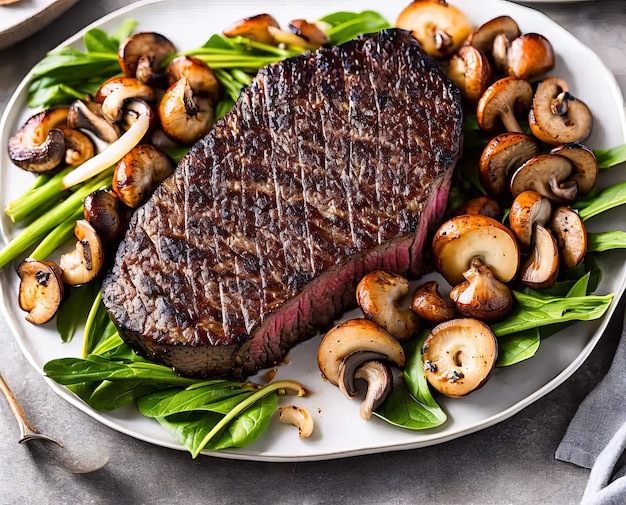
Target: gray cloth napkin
596, 436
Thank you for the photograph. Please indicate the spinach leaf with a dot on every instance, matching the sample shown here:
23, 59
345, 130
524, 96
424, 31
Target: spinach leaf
95, 368
411, 405
601, 200
74, 309
345, 26
197, 397
517, 347
248, 426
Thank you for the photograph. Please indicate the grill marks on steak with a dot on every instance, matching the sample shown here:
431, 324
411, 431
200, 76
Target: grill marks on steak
330, 165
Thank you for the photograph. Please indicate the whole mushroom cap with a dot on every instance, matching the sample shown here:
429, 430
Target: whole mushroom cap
463, 238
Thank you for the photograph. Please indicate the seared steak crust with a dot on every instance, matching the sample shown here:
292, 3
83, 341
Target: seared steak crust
330, 165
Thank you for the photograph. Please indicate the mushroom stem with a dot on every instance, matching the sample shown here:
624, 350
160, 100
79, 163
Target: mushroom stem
111, 155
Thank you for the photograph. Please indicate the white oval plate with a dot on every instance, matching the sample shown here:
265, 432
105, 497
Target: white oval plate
23, 18
339, 430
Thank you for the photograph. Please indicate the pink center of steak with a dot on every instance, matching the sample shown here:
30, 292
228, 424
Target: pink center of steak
330, 165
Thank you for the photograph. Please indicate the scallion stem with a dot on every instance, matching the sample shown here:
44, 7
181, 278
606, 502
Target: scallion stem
40, 227
31, 203
57, 237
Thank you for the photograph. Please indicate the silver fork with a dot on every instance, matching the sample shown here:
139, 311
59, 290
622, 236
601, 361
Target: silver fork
27, 430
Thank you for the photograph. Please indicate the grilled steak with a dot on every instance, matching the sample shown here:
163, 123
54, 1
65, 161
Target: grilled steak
330, 165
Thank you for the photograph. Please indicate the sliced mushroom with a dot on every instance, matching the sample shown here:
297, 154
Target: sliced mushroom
528, 208
38, 146
484, 205
541, 268
571, 236
78, 146
142, 55
440, 28
85, 262
482, 296
114, 152
41, 289
429, 305
311, 31
557, 117
549, 175
352, 336
380, 294
115, 91
496, 32
462, 238
459, 356
253, 28
502, 103
139, 172
299, 417
289, 39
470, 70
529, 55
502, 155
374, 372
87, 115
201, 78
101, 210
184, 117
585, 165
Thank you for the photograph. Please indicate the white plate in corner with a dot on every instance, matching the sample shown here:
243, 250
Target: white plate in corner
23, 18
339, 430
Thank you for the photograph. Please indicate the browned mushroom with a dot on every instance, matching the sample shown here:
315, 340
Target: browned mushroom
41, 290
299, 417
376, 374
201, 78
571, 236
557, 117
470, 70
502, 155
463, 238
114, 152
353, 336
429, 305
494, 36
484, 205
502, 103
311, 31
549, 175
139, 172
185, 118
115, 91
481, 295
380, 294
38, 146
529, 55
585, 165
102, 211
142, 55
441, 28
78, 146
85, 262
541, 268
459, 356
87, 115
253, 28
528, 208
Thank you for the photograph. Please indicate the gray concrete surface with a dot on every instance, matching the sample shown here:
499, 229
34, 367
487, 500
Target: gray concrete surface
511, 463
